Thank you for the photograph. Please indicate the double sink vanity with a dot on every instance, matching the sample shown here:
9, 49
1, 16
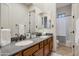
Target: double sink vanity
39, 46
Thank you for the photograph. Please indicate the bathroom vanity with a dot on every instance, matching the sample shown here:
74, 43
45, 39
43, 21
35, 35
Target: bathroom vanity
41, 46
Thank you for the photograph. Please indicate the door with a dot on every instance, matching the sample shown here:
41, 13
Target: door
66, 33
70, 40
71, 34
76, 18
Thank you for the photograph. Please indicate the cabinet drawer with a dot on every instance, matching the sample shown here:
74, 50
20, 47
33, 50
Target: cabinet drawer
31, 50
39, 52
41, 44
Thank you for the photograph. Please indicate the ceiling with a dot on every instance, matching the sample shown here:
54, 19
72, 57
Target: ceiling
59, 5
28, 4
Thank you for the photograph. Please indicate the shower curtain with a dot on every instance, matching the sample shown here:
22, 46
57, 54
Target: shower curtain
63, 29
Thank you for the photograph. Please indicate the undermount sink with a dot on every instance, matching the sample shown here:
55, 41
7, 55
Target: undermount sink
43, 36
24, 43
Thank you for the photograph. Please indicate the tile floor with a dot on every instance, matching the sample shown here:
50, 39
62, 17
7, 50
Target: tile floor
66, 51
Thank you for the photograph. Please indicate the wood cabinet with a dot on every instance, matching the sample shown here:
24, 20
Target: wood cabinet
51, 45
46, 50
39, 52
41, 44
42, 48
50, 41
19, 54
30, 51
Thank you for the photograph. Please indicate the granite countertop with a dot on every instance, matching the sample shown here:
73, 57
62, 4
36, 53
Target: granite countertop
11, 49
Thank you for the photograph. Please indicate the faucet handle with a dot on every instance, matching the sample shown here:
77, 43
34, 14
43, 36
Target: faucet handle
16, 35
22, 37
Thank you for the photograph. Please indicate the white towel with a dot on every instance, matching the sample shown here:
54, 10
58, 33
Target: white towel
5, 37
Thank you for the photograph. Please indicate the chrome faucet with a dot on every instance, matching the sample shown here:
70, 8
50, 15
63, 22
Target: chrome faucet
20, 37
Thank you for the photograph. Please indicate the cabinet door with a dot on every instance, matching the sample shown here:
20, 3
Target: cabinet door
51, 44
45, 42
30, 51
50, 41
46, 50
39, 52
41, 44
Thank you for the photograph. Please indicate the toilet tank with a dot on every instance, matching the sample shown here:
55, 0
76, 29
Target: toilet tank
5, 37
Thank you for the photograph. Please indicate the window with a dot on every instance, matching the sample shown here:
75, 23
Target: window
45, 22
42, 20
61, 15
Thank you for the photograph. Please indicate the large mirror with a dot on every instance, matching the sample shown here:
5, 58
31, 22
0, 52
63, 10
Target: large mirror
45, 21
33, 21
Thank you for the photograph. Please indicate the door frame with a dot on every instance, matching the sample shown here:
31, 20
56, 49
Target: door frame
74, 29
